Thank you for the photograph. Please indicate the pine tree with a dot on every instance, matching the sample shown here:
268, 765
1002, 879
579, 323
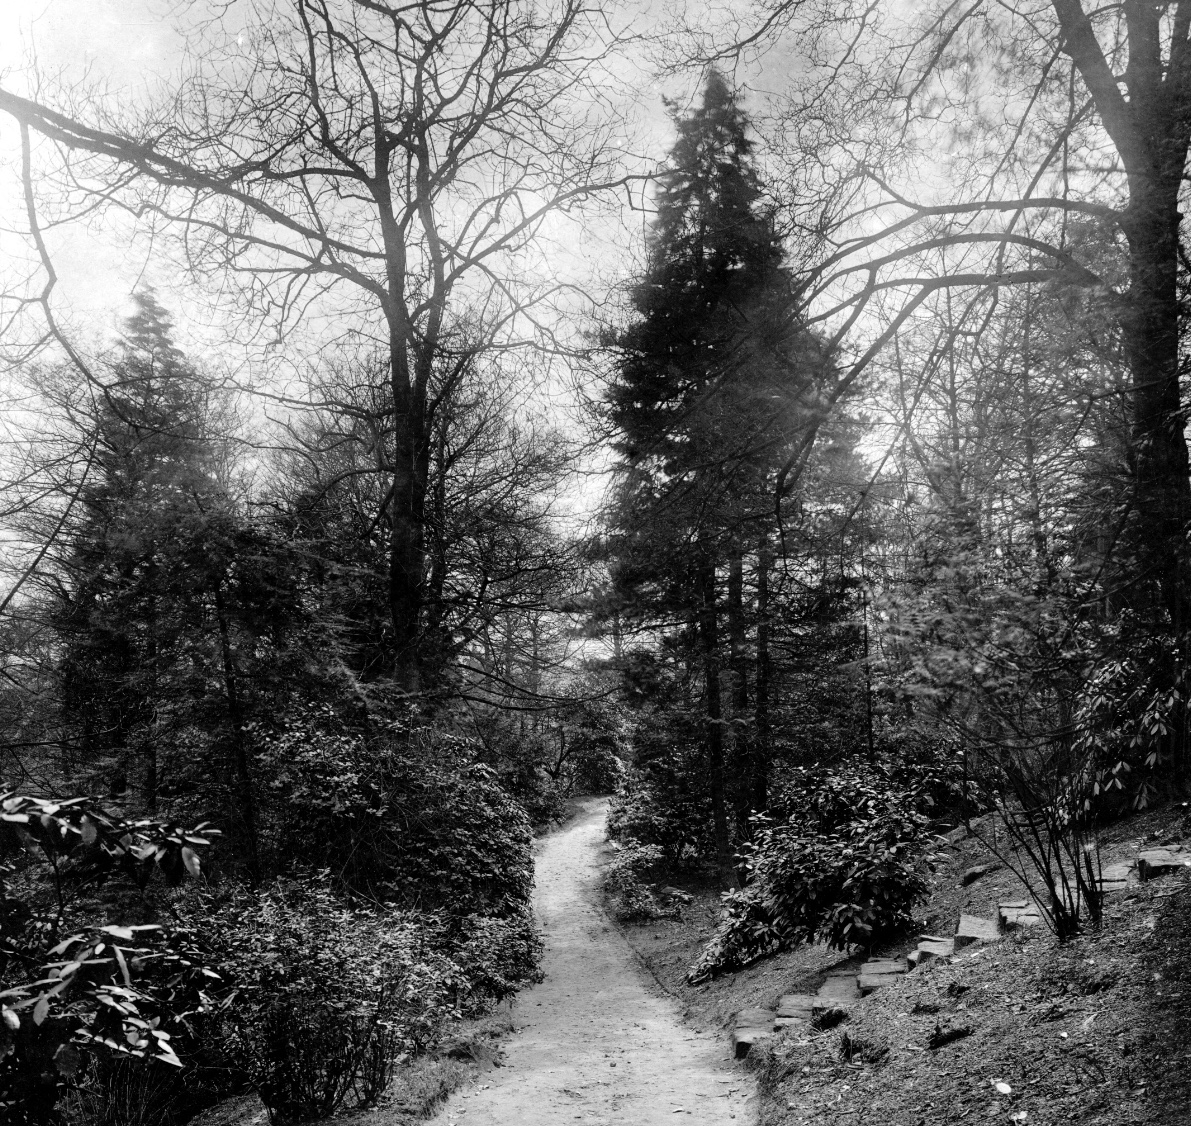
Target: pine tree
152, 468
713, 377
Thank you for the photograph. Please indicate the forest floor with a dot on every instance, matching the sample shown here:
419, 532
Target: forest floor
1096, 1031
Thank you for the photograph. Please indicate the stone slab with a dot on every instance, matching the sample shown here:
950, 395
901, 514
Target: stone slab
972, 928
870, 983
792, 1023
1117, 877
1159, 862
884, 966
796, 1005
754, 1018
837, 992
933, 951
1018, 913
745, 1038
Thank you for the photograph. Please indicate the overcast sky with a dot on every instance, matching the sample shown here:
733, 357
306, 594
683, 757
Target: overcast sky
129, 45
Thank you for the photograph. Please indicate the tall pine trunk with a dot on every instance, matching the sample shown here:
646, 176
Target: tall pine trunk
242, 783
742, 759
761, 749
713, 717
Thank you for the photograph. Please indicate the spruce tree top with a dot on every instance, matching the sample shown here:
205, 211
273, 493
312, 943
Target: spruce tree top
714, 280
710, 228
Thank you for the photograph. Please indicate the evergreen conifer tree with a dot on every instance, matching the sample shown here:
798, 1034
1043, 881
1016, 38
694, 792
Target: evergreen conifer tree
713, 377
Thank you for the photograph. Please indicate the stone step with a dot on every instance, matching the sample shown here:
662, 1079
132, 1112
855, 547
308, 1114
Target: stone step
930, 950
883, 966
1018, 913
879, 973
1156, 862
870, 983
837, 992
743, 1039
792, 1022
972, 928
755, 1018
751, 1026
795, 1005
1117, 877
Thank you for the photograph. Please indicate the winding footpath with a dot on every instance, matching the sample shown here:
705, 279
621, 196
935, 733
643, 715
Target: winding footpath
596, 1042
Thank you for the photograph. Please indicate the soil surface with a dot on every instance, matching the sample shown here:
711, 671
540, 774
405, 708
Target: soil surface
1027, 1031
595, 1042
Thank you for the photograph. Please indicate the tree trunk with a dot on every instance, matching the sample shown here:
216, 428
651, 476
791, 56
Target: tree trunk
1150, 126
742, 763
436, 582
1159, 442
151, 780
709, 646
242, 785
761, 749
406, 553
1163, 492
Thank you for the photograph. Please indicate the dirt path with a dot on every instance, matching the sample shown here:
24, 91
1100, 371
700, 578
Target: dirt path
594, 1043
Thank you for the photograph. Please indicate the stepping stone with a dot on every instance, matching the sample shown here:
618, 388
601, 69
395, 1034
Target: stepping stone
1160, 862
743, 1039
752, 1026
883, 966
796, 1005
837, 992
1117, 877
932, 950
877, 975
972, 928
754, 1018
1018, 913
794, 1009
782, 1023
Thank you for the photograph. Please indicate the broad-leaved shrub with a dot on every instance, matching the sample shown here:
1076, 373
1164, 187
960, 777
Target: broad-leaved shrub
400, 813
331, 995
631, 896
841, 867
73, 992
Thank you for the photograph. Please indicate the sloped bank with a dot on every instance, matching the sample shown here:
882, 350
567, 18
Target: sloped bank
1024, 1030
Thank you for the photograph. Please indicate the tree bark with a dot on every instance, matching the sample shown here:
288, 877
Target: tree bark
1151, 129
709, 646
742, 760
761, 748
242, 784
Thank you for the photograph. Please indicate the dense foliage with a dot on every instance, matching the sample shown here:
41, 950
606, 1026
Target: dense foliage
840, 865
73, 992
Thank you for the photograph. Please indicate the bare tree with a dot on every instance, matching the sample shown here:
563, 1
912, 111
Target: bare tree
376, 162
